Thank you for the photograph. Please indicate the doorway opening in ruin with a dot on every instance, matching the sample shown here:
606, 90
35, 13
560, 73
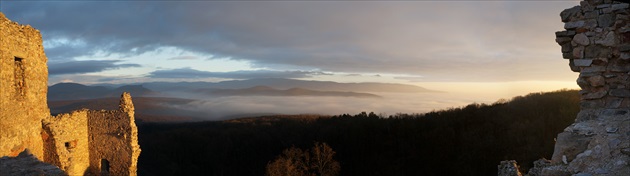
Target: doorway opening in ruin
104, 167
18, 74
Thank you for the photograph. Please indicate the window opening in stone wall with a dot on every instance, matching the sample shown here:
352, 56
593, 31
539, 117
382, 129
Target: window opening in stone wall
18, 74
71, 144
104, 167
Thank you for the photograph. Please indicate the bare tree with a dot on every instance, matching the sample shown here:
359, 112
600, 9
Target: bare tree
295, 162
322, 160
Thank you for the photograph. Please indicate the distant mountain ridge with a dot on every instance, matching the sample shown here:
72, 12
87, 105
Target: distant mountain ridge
251, 87
281, 83
268, 91
74, 91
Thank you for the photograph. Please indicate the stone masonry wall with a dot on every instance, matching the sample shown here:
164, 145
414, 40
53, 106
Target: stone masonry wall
597, 43
94, 142
84, 142
23, 88
66, 142
114, 138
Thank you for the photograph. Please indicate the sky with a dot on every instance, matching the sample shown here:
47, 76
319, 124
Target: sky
493, 47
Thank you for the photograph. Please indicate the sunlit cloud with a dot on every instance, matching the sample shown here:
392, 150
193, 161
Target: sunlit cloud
89, 66
184, 58
246, 74
488, 41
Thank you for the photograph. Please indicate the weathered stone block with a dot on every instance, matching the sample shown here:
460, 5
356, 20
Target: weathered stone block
619, 67
583, 62
595, 95
594, 51
614, 102
582, 82
569, 145
607, 10
620, 6
573, 67
612, 113
603, 6
591, 15
574, 24
590, 24
568, 33
620, 92
566, 14
609, 40
563, 40
581, 39
567, 55
597, 81
589, 104
593, 69
624, 47
586, 6
578, 52
566, 47
605, 20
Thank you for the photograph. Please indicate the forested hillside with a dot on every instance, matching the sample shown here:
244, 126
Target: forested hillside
468, 140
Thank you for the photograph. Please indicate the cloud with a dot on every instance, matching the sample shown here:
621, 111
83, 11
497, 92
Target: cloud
435, 39
184, 58
248, 74
88, 66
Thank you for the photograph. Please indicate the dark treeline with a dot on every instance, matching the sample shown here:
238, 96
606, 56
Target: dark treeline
469, 140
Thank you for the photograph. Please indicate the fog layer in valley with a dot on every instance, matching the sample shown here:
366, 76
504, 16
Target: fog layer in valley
219, 108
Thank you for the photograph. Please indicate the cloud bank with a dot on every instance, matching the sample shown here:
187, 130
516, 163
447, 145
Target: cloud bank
441, 41
88, 66
249, 74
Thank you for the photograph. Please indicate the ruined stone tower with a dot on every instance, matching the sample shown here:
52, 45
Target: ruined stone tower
23, 89
597, 43
83, 142
93, 141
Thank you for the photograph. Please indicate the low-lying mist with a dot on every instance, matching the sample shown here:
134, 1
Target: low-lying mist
227, 107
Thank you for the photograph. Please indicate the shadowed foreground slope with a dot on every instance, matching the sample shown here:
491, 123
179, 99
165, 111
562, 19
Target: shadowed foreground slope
460, 141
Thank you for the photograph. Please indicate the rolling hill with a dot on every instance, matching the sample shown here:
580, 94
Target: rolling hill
148, 109
74, 91
280, 83
268, 91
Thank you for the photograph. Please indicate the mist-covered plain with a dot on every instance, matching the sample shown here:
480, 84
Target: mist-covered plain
200, 101
219, 108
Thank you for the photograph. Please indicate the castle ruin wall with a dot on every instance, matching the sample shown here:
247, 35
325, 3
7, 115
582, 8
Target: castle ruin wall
596, 41
66, 142
94, 142
23, 89
83, 142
